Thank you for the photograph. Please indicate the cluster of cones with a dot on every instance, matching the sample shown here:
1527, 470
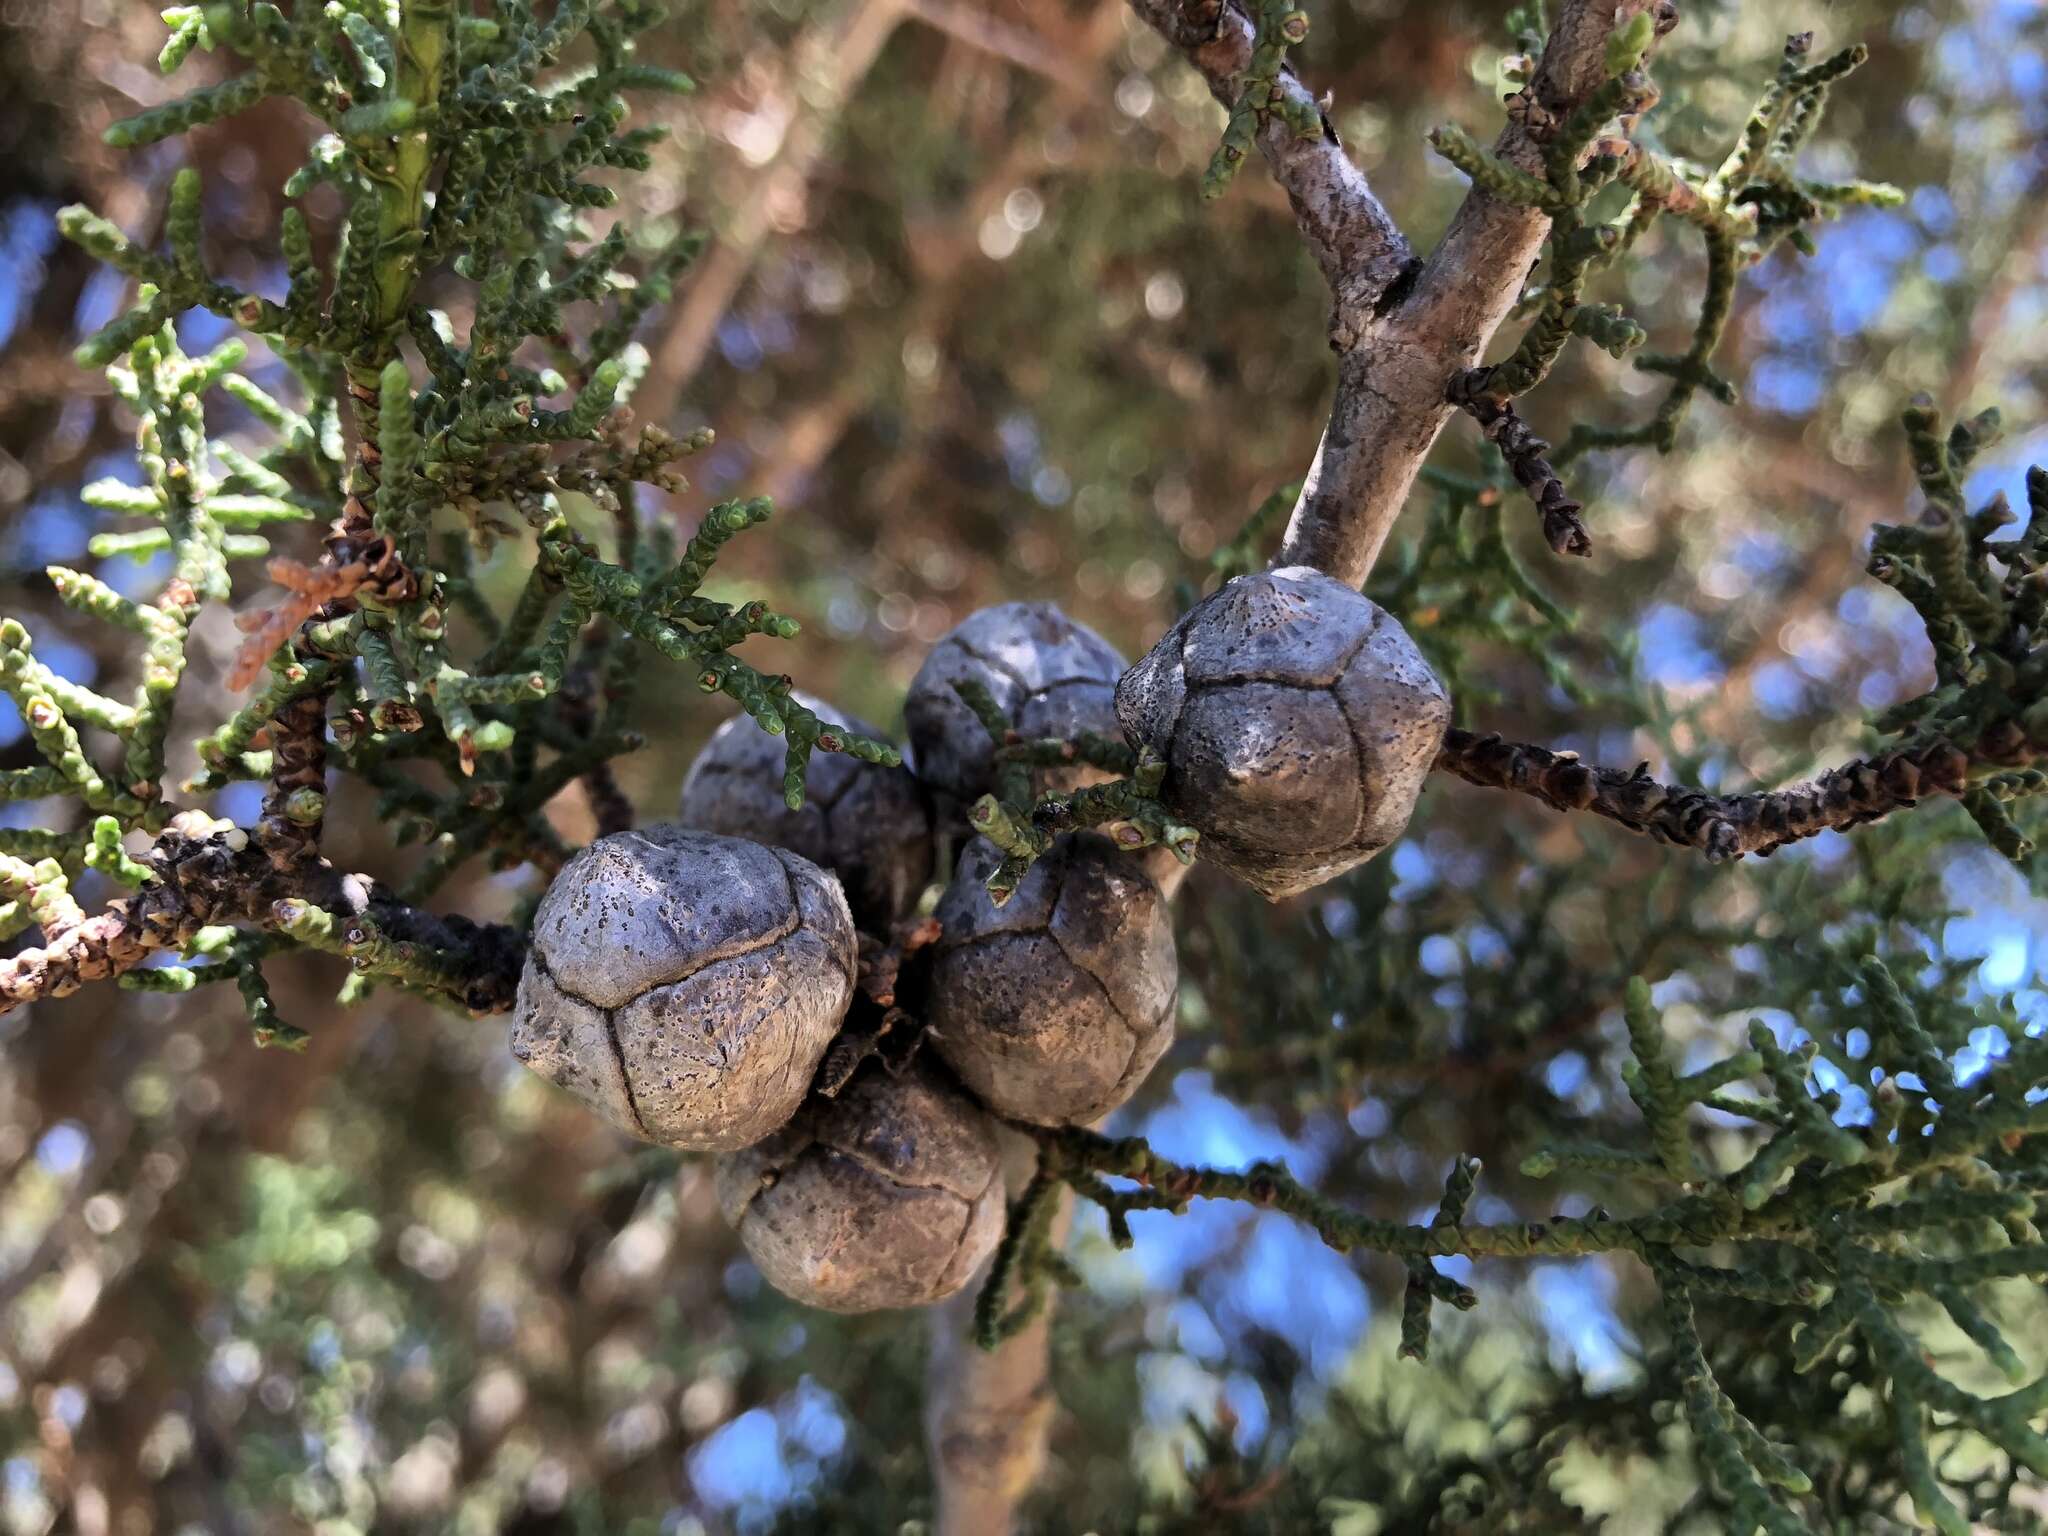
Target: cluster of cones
754, 981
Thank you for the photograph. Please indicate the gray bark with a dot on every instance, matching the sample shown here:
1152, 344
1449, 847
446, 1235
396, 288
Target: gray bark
988, 1412
1402, 330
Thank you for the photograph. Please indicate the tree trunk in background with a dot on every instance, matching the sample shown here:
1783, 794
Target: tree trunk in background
827, 66
988, 1412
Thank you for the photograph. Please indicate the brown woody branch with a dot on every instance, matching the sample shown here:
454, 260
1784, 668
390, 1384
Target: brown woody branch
1720, 826
214, 873
1398, 356
1355, 241
356, 558
1563, 529
1020, 47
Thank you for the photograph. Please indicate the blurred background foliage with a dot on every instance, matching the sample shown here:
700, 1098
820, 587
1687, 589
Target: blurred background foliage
966, 319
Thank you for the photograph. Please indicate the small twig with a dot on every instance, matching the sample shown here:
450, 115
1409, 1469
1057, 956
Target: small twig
1022, 47
882, 963
296, 807
1355, 242
1563, 529
1720, 826
353, 538
211, 873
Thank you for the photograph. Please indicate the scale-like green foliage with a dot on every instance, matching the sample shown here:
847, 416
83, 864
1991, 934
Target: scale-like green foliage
466, 352
463, 364
1836, 1237
1828, 1236
1750, 203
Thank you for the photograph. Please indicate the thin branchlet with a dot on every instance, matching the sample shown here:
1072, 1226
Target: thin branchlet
1752, 203
1976, 736
1841, 1235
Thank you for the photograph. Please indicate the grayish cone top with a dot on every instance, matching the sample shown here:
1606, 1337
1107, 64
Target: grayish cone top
1297, 720
1052, 677
685, 985
869, 825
